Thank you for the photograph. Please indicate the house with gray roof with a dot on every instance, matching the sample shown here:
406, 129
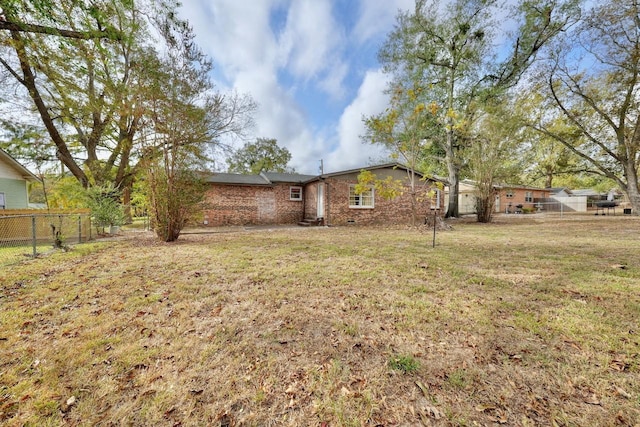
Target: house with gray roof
330, 199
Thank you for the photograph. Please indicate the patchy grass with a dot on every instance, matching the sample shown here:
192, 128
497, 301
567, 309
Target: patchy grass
526, 322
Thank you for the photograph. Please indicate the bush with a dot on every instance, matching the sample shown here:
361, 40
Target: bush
106, 209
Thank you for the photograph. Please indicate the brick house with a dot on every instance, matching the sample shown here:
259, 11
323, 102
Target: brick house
509, 197
282, 198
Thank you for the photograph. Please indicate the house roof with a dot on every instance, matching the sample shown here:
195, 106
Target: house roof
372, 168
472, 183
286, 177
269, 178
26, 174
586, 192
521, 187
236, 178
264, 178
556, 190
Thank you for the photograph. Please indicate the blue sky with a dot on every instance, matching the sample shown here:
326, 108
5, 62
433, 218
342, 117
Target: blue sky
311, 66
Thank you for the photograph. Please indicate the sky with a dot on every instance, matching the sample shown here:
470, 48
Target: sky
310, 65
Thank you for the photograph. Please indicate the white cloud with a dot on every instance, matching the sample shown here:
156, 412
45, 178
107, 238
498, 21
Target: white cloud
352, 152
312, 45
378, 17
279, 67
236, 34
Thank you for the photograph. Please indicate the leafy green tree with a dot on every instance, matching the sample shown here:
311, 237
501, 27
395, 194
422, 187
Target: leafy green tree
45, 11
184, 114
453, 54
496, 138
593, 94
547, 162
106, 209
262, 155
91, 95
78, 86
403, 129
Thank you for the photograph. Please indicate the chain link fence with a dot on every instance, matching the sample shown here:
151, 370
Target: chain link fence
27, 235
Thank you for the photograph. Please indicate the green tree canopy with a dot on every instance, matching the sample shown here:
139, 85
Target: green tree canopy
592, 87
262, 155
94, 96
453, 53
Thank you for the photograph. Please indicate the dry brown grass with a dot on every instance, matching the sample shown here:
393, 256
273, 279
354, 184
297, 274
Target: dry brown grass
521, 323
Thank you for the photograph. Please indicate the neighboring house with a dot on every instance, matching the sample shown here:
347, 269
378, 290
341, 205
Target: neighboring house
466, 197
560, 192
14, 179
565, 200
513, 198
507, 197
282, 198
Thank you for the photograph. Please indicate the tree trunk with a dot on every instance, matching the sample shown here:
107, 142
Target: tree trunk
632, 188
29, 82
454, 187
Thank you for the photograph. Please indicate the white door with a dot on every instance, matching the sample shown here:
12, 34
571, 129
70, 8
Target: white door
320, 207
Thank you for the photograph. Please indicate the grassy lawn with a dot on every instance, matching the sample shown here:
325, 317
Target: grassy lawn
522, 323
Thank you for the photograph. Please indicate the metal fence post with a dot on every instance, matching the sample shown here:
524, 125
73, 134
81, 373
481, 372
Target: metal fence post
33, 234
79, 228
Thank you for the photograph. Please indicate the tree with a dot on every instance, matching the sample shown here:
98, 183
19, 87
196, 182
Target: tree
94, 95
90, 95
593, 94
454, 55
184, 116
79, 87
403, 129
491, 157
45, 10
547, 162
106, 209
262, 155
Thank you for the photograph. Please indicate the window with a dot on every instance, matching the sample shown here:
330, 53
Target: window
509, 194
528, 197
3, 205
362, 200
295, 193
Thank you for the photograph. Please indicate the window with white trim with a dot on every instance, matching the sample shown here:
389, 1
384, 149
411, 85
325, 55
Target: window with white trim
509, 194
3, 204
295, 193
528, 197
362, 200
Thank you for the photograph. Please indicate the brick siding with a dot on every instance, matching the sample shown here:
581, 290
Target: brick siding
519, 195
251, 205
395, 211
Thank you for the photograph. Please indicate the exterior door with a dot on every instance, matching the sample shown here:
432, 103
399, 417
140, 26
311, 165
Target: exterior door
320, 206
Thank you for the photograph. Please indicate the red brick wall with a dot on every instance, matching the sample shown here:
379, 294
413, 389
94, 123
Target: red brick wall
251, 205
395, 211
518, 198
